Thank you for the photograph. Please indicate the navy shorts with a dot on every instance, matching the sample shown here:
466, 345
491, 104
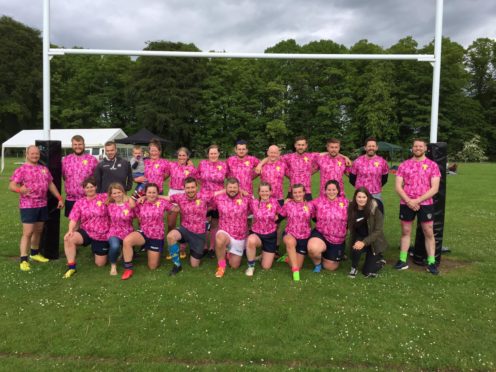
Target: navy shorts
195, 241
154, 245
68, 207
269, 241
301, 245
33, 215
99, 247
424, 214
333, 252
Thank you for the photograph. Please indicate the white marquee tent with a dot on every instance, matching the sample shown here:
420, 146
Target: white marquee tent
92, 138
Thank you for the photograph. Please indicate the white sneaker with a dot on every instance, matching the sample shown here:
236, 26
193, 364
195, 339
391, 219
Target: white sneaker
353, 273
250, 270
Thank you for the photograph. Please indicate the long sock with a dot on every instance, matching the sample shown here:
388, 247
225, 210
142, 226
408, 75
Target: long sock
71, 265
34, 251
174, 252
431, 260
222, 263
213, 232
128, 265
403, 256
24, 258
296, 273
251, 263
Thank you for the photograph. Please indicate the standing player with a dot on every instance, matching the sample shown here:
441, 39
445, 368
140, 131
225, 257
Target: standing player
32, 181
370, 170
233, 226
113, 169
76, 167
241, 166
332, 165
156, 168
273, 172
417, 181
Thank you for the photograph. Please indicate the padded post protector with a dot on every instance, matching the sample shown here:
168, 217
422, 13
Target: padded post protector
437, 152
51, 157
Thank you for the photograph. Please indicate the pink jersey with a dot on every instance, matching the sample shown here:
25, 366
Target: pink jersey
193, 211
300, 168
299, 215
417, 176
233, 214
369, 172
243, 170
274, 173
121, 220
156, 171
212, 175
178, 173
331, 218
75, 169
264, 215
92, 216
151, 217
36, 178
331, 169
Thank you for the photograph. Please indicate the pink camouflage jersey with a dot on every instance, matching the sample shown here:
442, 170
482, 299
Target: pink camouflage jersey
332, 218
300, 168
417, 176
121, 220
369, 172
274, 173
36, 178
178, 173
193, 211
151, 217
264, 215
156, 171
75, 169
233, 214
92, 216
243, 170
212, 175
299, 215
331, 169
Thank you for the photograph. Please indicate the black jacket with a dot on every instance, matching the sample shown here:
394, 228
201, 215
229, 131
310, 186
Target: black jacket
115, 170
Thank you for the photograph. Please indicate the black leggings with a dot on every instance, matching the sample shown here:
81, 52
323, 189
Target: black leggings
372, 262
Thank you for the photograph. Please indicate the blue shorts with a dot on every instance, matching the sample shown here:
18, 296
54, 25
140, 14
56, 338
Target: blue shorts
333, 252
154, 245
301, 245
99, 247
33, 215
269, 241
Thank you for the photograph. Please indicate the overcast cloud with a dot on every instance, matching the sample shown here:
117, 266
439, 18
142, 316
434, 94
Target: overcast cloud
252, 25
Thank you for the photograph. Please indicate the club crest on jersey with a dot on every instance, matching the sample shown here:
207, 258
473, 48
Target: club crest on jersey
305, 208
186, 172
278, 168
425, 166
341, 204
198, 202
219, 167
43, 171
126, 212
269, 206
340, 163
247, 163
157, 204
99, 203
376, 164
239, 201
306, 159
85, 162
156, 166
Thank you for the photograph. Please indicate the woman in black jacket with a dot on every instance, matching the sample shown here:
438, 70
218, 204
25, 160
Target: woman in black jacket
365, 224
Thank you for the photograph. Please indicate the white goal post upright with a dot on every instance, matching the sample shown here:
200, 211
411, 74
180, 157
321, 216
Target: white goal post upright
433, 59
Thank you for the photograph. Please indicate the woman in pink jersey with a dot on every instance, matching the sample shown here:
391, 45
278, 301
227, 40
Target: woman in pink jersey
212, 173
327, 241
91, 215
121, 213
157, 169
32, 181
264, 228
179, 171
299, 213
151, 233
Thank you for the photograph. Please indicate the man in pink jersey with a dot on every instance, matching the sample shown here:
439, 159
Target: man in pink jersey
273, 172
32, 181
241, 166
233, 226
370, 170
417, 181
332, 165
76, 167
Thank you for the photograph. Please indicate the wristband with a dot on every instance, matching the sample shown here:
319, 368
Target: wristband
18, 190
59, 198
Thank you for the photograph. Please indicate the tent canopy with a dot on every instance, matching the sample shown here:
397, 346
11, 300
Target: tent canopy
92, 137
142, 137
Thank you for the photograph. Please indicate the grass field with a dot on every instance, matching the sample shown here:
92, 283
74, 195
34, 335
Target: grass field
407, 320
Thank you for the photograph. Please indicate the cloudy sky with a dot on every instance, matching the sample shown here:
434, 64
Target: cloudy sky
252, 25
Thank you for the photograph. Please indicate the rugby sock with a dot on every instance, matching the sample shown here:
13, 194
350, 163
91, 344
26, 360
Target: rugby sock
24, 258
174, 252
317, 268
403, 256
222, 263
431, 260
213, 232
71, 265
34, 251
128, 265
251, 263
296, 273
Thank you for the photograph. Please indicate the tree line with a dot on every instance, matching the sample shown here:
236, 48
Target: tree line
196, 102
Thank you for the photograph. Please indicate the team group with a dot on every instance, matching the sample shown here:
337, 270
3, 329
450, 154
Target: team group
219, 216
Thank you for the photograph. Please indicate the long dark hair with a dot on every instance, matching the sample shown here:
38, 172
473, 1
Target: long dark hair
353, 207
